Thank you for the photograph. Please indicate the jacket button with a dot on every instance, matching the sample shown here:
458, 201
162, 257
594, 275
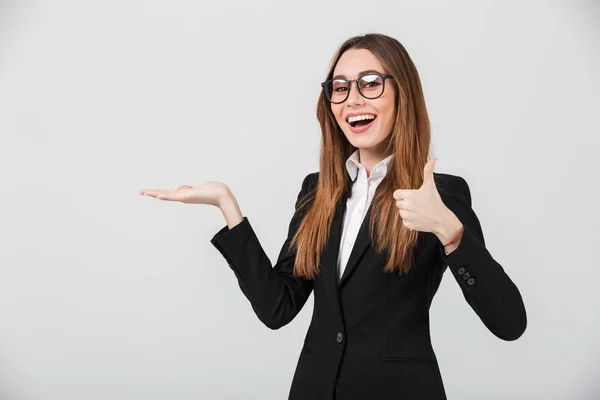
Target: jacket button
466, 276
340, 337
471, 281
461, 270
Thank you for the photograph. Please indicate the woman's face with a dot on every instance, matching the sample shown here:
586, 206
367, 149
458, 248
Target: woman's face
351, 65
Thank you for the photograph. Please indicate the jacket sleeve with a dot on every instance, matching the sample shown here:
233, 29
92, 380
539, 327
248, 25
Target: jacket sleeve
484, 284
275, 294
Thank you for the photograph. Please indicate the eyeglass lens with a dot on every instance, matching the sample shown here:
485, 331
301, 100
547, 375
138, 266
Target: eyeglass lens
370, 86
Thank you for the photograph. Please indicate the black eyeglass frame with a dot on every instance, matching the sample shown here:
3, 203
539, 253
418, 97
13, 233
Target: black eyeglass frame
382, 76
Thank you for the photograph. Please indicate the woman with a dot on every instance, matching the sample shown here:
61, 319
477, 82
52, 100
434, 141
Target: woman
372, 234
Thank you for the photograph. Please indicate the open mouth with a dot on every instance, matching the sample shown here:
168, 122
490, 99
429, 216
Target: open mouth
362, 121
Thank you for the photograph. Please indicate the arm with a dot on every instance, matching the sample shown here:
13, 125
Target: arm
274, 293
486, 287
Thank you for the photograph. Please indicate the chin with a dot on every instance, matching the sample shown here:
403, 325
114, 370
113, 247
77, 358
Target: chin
362, 138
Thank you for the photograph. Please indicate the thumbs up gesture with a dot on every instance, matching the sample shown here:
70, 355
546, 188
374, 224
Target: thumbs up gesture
423, 209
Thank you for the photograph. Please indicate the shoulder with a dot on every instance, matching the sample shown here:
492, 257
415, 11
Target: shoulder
308, 184
310, 181
455, 193
452, 186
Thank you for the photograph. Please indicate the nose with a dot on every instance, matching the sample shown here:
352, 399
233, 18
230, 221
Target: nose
354, 98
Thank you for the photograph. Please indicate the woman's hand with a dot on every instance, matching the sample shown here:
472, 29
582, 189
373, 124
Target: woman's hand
422, 209
213, 193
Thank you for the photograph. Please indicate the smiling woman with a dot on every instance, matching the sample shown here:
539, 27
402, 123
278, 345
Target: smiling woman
368, 106
370, 84
372, 234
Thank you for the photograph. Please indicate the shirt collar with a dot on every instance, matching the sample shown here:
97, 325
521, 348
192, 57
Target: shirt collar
378, 171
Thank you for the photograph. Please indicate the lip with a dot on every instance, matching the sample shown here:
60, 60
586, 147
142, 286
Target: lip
363, 128
354, 114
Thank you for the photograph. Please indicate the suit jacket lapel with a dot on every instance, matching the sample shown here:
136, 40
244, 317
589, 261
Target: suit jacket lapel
359, 248
329, 259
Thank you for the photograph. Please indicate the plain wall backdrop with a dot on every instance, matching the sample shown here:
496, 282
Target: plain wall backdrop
105, 294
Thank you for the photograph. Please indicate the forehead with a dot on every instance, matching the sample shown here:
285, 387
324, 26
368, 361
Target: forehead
355, 61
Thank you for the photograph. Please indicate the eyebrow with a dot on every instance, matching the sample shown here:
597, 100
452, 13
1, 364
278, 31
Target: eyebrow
369, 71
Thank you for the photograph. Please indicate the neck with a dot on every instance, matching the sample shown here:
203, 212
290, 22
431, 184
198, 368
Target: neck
369, 159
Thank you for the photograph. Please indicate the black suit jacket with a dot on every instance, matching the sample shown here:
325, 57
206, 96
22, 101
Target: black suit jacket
369, 335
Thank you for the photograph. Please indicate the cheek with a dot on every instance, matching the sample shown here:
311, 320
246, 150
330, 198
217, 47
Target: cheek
336, 110
388, 112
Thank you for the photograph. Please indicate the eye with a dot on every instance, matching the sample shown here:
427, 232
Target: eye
370, 81
339, 86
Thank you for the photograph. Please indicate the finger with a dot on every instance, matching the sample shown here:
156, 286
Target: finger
148, 192
171, 195
403, 194
402, 204
162, 194
403, 214
151, 192
428, 172
184, 187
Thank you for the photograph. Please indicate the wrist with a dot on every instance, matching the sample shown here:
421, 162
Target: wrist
225, 197
449, 227
231, 210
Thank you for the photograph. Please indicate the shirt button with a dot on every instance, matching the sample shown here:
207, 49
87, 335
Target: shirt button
340, 337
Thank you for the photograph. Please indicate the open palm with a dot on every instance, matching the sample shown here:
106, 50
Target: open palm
207, 193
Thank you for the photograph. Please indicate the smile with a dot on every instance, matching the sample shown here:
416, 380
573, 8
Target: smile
360, 123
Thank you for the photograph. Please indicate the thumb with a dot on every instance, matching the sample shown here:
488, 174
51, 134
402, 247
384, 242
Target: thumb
184, 187
428, 173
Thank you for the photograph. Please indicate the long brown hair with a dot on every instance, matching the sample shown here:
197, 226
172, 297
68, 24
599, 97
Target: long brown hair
409, 142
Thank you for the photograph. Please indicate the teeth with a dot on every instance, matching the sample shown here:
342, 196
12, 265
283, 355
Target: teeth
360, 118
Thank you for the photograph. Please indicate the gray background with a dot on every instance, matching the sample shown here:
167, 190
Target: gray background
105, 294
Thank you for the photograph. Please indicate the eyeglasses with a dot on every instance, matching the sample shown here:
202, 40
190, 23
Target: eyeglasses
370, 86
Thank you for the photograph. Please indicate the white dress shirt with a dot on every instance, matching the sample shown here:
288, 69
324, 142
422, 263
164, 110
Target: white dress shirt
357, 205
